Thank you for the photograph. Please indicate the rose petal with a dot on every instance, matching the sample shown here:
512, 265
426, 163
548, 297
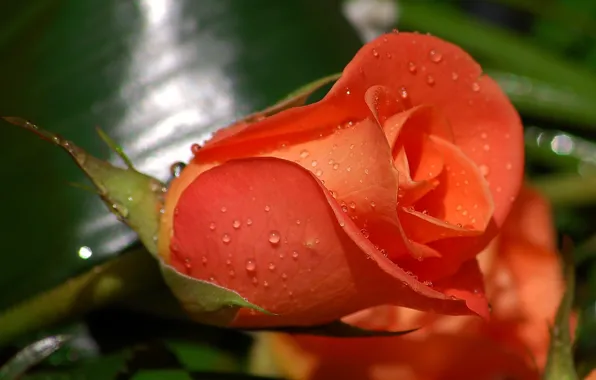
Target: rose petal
428, 70
436, 356
308, 272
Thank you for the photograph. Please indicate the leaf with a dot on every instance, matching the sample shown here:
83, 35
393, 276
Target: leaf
210, 62
206, 302
336, 329
132, 196
128, 275
31, 356
495, 46
560, 365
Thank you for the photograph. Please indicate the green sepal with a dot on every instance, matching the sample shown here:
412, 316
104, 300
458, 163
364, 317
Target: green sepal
296, 98
133, 197
206, 302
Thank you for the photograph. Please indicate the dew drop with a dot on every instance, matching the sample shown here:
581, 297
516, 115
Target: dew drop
373, 204
435, 56
204, 260
223, 209
304, 154
176, 169
232, 273
353, 205
295, 255
271, 266
255, 280
475, 87
388, 55
249, 222
251, 266
484, 170
459, 207
486, 147
348, 169
284, 276
226, 238
342, 224
335, 166
274, 237
212, 226
365, 233
375, 53
236, 224
430, 80
265, 284
412, 67
454, 75
298, 221
366, 171
176, 211
403, 93
313, 163
267, 208
319, 173
194, 148
290, 294
344, 208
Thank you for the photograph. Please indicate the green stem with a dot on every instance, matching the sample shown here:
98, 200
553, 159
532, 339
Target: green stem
125, 276
567, 189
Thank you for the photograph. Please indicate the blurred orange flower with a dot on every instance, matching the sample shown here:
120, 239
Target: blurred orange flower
524, 285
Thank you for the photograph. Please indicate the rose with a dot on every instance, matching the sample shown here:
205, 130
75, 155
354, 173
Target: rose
381, 193
524, 285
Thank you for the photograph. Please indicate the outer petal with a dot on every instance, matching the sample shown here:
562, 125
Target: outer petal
427, 70
269, 230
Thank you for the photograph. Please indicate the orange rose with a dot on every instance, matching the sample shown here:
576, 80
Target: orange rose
383, 192
524, 285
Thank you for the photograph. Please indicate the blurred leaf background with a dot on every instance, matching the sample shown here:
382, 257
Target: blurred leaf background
159, 75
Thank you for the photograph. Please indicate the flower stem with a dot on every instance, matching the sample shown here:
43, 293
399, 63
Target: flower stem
125, 276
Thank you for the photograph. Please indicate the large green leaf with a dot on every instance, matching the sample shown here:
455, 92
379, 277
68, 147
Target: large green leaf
156, 75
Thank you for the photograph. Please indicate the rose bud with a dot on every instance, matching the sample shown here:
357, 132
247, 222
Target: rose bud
383, 192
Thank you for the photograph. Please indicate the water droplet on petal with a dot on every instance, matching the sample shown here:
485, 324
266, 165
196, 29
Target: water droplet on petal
304, 154
195, 148
212, 226
284, 276
344, 208
204, 260
295, 254
274, 237
267, 208
298, 221
486, 147
403, 93
249, 222
430, 80
319, 173
475, 87
373, 204
435, 56
226, 238
484, 170
412, 67
232, 273
265, 284
236, 224
223, 209
342, 224
454, 75
353, 205
365, 233
313, 163
176, 169
375, 53
335, 166
251, 266
271, 266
